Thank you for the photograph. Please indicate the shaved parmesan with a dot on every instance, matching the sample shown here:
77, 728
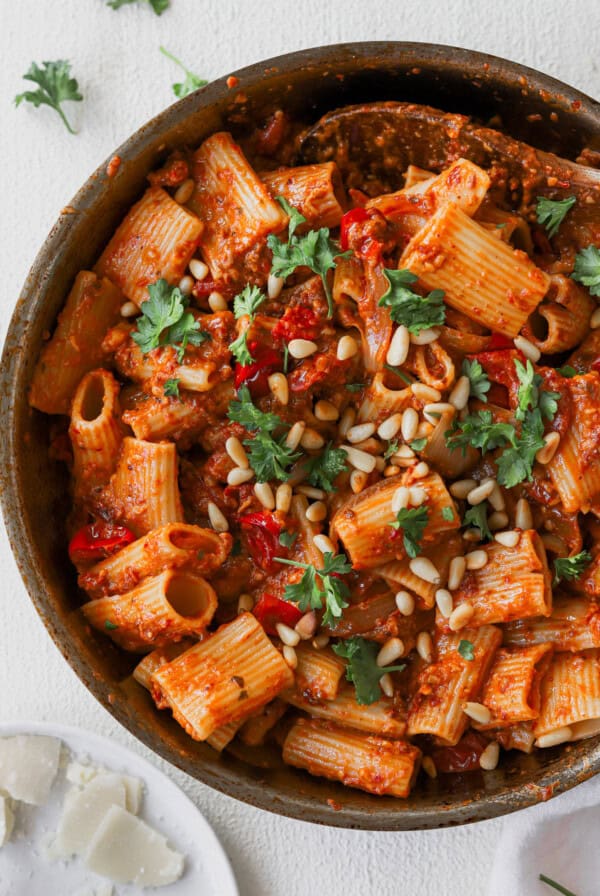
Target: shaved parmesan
127, 850
85, 809
80, 774
28, 766
7, 820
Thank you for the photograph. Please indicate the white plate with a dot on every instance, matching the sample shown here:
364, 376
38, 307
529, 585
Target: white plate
24, 870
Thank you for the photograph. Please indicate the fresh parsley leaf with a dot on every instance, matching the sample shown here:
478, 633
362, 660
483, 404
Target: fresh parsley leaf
110, 626
477, 517
587, 269
171, 388
286, 359
556, 886
478, 379
355, 387
239, 349
391, 449
403, 376
447, 514
567, 371
571, 568
244, 412
247, 302
325, 467
551, 213
158, 6
270, 457
362, 669
412, 521
516, 463
165, 321
465, 648
529, 394
192, 82
318, 589
314, 250
55, 86
418, 444
287, 539
478, 431
408, 308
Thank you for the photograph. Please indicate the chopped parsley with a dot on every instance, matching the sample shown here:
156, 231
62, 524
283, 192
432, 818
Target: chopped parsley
418, 444
244, 412
325, 467
391, 449
551, 213
355, 387
408, 308
403, 376
531, 396
478, 379
268, 455
318, 589
567, 371
466, 650
587, 269
171, 388
447, 514
287, 539
110, 626
158, 6
315, 250
55, 86
479, 431
478, 517
192, 82
570, 568
247, 302
412, 521
165, 321
362, 669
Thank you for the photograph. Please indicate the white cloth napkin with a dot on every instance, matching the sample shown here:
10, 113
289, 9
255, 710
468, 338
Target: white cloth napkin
560, 839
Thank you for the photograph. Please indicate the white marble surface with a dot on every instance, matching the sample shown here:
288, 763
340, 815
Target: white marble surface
125, 82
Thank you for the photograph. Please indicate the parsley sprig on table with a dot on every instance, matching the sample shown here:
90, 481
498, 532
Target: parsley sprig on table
570, 568
412, 522
478, 379
158, 6
268, 455
587, 269
165, 321
55, 86
314, 250
556, 886
551, 213
362, 669
318, 589
408, 308
192, 82
325, 467
247, 302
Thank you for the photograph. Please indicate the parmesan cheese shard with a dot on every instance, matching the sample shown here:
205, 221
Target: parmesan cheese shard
81, 774
28, 766
7, 820
84, 811
127, 850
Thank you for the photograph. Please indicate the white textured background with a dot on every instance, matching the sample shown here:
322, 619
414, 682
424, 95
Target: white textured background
126, 81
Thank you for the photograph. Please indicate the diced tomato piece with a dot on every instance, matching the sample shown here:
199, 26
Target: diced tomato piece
464, 757
298, 322
270, 611
498, 342
354, 216
256, 375
97, 541
595, 365
203, 288
500, 367
262, 531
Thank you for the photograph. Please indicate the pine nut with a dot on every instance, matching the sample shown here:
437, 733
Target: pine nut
553, 738
497, 520
390, 652
216, 302
320, 642
424, 569
326, 411
129, 309
481, 492
428, 766
490, 756
424, 393
186, 285
405, 603
184, 193
316, 512
239, 475
217, 519
274, 286
317, 494
301, 348
346, 348
461, 616
360, 432
198, 269
391, 470
283, 497
346, 421
459, 396
421, 470
476, 559
400, 498
290, 656
358, 481
551, 442
444, 601
387, 685
324, 544
496, 498
264, 493
433, 412
287, 634
424, 429
307, 626
397, 352
595, 319
404, 452
388, 429
531, 352
245, 603
359, 459
461, 488
311, 440
425, 646
279, 387
523, 517
424, 337
478, 712
471, 535
236, 452
410, 422
418, 496
292, 440
509, 539
456, 572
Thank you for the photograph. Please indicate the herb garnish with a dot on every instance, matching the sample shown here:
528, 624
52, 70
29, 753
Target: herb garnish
466, 650
570, 568
192, 82
555, 885
171, 388
323, 469
318, 588
408, 308
477, 517
412, 522
362, 669
165, 321
551, 213
55, 86
478, 379
269, 456
587, 269
247, 302
158, 6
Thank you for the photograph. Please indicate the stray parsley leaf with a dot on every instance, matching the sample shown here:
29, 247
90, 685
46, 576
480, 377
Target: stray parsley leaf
355, 387
556, 886
531, 396
403, 376
239, 349
516, 463
570, 568
567, 371
391, 449
418, 444
244, 412
318, 588
447, 514
158, 6
323, 469
551, 213
412, 522
269, 457
478, 379
110, 626
477, 516
465, 648
408, 308
362, 669
192, 82
55, 85
587, 269
165, 321
247, 302
314, 250
286, 359
171, 388
478, 431
287, 539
